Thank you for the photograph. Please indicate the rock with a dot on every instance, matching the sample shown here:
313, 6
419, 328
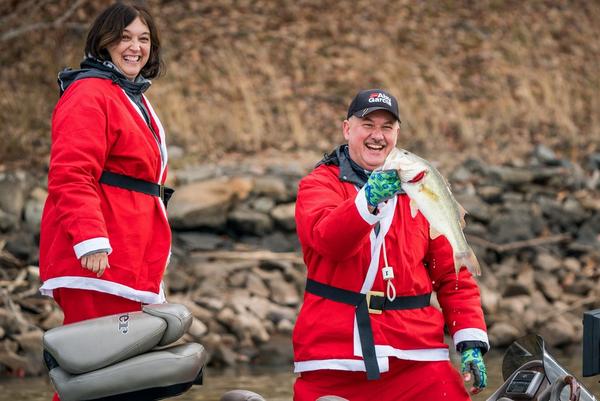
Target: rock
32, 350
9, 357
490, 193
285, 326
22, 244
571, 264
277, 352
12, 192
515, 288
278, 242
489, 299
248, 221
589, 232
514, 306
263, 204
557, 331
34, 208
255, 285
461, 174
8, 221
177, 280
547, 262
512, 176
271, 186
261, 307
197, 329
224, 355
284, 216
545, 155
192, 174
513, 226
175, 152
283, 293
196, 241
548, 285
53, 319
580, 287
502, 334
206, 203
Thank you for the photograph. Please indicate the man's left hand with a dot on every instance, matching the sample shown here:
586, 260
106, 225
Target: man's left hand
472, 366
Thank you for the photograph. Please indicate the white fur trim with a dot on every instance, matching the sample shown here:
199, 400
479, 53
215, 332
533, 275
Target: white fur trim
109, 287
363, 208
425, 354
92, 244
354, 365
471, 335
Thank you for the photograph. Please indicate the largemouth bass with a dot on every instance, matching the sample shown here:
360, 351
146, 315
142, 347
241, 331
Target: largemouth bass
430, 194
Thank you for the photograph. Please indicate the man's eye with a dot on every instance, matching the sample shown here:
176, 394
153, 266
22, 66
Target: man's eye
368, 125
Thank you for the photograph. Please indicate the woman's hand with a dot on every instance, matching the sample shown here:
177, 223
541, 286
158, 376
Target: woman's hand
473, 367
95, 262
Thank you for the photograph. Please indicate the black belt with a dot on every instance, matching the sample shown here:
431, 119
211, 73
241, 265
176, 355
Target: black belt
137, 185
374, 302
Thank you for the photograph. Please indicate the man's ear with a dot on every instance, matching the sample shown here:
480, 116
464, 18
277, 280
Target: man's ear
346, 129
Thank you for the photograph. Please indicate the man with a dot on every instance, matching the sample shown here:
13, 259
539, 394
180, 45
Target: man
366, 330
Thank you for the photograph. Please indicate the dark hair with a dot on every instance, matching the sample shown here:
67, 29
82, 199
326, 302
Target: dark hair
108, 29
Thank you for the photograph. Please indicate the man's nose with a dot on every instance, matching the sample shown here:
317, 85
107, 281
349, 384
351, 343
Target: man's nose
377, 132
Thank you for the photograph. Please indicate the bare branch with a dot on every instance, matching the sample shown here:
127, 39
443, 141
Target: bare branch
13, 33
23, 6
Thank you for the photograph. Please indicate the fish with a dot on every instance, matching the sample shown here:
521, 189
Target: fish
430, 193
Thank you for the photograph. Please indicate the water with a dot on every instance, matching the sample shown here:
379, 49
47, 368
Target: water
274, 384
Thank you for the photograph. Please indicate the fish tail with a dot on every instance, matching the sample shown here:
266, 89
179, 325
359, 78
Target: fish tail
467, 259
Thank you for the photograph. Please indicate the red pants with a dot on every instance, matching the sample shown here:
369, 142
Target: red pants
405, 381
78, 305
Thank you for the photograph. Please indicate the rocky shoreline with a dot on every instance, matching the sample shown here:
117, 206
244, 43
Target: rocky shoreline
534, 225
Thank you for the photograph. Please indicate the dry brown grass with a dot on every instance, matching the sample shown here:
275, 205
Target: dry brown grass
486, 79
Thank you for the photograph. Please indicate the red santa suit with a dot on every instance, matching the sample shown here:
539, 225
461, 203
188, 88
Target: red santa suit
341, 249
96, 127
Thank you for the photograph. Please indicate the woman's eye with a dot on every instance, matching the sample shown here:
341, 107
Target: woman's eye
145, 40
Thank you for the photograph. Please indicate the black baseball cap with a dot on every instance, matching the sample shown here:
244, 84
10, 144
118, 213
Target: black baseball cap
369, 100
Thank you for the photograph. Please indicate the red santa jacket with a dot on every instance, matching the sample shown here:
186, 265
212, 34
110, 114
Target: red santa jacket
96, 127
342, 250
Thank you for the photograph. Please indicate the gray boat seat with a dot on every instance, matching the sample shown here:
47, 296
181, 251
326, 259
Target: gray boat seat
129, 356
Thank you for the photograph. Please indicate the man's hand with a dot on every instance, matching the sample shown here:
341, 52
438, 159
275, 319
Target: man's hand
95, 262
381, 186
471, 364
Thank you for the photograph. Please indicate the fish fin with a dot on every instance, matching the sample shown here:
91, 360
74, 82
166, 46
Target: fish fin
462, 213
467, 259
413, 208
433, 233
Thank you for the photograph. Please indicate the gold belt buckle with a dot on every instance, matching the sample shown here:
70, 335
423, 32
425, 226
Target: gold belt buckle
369, 295
162, 192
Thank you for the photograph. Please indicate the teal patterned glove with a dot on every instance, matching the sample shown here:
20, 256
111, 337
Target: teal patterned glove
381, 186
471, 363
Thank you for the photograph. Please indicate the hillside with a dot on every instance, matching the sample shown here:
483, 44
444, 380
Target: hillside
487, 79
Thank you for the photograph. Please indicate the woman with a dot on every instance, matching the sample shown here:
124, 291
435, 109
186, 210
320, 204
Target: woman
105, 238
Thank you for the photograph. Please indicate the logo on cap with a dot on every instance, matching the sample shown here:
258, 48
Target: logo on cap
379, 97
